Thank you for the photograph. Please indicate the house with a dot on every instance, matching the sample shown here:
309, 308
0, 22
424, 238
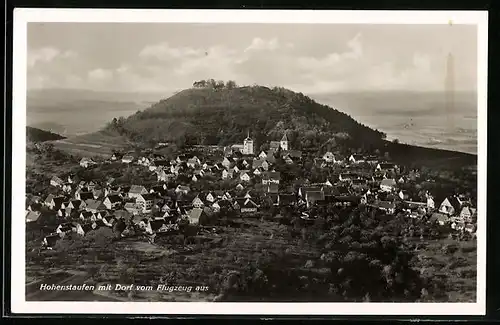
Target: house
193, 162
312, 196
76, 204
262, 155
385, 167
387, 207
402, 180
271, 159
257, 172
248, 206
303, 190
274, 146
84, 196
86, 215
440, 218
48, 200
450, 206
210, 197
50, 240
468, 214
182, 189
145, 202
136, 190
56, 181
112, 201
244, 176
388, 185
271, 178
235, 169
430, 202
284, 145
98, 193
66, 188
403, 195
356, 159
132, 208
162, 176
288, 160
194, 178
226, 163
56, 202
33, 216
260, 163
227, 174
372, 160
95, 206
198, 203
86, 162
194, 215
240, 187
127, 159
222, 205
329, 157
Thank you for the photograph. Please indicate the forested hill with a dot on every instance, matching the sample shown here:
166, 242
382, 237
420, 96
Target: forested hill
223, 115
37, 135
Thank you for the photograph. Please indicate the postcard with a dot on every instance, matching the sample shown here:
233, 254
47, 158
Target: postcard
270, 162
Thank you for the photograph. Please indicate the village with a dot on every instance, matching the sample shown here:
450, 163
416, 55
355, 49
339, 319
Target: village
203, 185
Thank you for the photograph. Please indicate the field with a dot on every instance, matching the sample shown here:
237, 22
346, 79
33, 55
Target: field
92, 144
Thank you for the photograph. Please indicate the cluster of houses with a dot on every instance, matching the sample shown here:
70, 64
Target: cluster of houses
84, 205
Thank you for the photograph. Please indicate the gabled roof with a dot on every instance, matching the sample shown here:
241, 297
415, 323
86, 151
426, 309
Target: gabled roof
136, 189
122, 214
84, 196
195, 214
455, 203
96, 205
49, 198
33, 216
58, 200
284, 138
86, 214
250, 204
148, 197
114, 198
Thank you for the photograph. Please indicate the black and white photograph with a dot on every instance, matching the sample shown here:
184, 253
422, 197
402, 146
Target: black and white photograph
195, 159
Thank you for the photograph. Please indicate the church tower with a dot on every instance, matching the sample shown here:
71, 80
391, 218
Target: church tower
284, 143
248, 145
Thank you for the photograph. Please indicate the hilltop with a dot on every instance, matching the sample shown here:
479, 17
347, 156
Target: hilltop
224, 116
38, 135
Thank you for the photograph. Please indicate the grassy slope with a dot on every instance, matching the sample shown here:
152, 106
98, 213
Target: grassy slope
37, 135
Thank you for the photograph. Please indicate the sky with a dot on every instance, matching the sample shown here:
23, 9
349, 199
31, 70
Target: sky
310, 58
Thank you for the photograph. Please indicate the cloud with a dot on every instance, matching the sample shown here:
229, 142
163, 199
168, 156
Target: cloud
357, 64
47, 54
259, 44
100, 75
164, 51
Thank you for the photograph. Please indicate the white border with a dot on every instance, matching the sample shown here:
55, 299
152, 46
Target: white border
25, 15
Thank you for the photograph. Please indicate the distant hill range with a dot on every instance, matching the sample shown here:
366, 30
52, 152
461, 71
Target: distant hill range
38, 135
